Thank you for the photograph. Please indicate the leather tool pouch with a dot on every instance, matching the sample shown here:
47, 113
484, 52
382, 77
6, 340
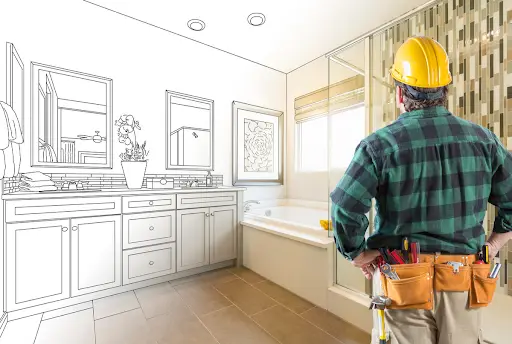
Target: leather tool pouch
414, 289
447, 278
482, 287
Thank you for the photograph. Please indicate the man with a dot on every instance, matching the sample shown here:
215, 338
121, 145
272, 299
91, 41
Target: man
432, 175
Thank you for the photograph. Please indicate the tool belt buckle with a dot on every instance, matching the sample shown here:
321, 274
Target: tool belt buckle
456, 266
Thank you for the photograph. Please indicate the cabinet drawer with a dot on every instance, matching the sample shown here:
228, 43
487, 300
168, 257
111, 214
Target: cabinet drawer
148, 229
149, 262
62, 208
138, 204
205, 199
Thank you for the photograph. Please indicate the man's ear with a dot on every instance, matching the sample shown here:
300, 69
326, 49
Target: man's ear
399, 95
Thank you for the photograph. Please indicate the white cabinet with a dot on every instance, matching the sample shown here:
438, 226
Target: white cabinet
205, 236
148, 262
146, 229
95, 254
37, 263
193, 238
222, 234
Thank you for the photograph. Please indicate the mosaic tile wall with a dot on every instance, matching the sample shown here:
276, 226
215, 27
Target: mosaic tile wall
477, 35
112, 181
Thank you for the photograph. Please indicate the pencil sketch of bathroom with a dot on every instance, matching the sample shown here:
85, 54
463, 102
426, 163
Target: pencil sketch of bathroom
71, 118
189, 132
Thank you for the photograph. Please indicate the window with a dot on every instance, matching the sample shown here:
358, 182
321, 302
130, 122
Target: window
347, 129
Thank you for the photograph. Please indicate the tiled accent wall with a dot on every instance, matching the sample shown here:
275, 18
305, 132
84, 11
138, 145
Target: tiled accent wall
112, 181
477, 35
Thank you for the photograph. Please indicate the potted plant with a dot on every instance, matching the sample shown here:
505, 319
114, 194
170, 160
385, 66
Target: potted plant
134, 159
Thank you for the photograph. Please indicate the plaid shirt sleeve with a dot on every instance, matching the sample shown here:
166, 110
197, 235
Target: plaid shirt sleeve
352, 199
501, 188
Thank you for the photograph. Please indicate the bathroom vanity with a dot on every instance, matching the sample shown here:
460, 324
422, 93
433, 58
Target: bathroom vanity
66, 248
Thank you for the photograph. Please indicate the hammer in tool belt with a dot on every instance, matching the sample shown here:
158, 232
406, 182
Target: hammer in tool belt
380, 303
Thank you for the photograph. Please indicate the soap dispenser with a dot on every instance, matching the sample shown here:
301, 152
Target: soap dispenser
209, 179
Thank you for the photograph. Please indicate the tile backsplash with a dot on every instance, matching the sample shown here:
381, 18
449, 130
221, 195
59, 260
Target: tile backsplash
111, 181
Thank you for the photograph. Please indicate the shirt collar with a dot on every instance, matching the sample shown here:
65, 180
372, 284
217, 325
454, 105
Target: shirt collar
435, 111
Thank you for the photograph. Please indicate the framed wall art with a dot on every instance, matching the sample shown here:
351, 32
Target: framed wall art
257, 145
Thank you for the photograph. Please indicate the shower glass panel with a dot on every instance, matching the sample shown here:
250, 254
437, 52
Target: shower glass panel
347, 126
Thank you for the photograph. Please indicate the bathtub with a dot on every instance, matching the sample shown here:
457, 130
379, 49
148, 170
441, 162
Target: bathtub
286, 245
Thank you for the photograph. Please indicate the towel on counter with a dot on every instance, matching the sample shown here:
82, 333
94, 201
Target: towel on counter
39, 188
35, 176
34, 184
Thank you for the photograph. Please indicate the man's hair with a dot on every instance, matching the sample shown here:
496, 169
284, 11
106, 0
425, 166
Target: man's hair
410, 103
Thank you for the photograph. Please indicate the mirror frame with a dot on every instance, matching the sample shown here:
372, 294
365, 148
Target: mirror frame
34, 93
168, 96
14, 57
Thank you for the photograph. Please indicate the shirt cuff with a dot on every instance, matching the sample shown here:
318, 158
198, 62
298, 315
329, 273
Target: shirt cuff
499, 226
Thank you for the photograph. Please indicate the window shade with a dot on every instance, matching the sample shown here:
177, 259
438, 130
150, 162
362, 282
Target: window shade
343, 94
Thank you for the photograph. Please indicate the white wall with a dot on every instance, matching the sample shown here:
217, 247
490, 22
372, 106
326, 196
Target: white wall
144, 62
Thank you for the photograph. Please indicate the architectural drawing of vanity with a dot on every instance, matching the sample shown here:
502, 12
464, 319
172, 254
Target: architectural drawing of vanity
66, 248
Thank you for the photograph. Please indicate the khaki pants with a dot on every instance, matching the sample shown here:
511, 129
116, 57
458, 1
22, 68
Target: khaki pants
450, 322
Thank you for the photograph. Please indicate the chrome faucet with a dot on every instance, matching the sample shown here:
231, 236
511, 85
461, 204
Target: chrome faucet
247, 205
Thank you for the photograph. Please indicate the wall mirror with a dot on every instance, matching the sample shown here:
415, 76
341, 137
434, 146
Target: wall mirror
71, 118
189, 132
15, 83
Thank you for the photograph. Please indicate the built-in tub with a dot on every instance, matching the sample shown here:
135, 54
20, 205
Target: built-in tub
286, 245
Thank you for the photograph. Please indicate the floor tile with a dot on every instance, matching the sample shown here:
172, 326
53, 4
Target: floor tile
231, 326
247, 275
76, 328
21, 331
202, 298
67, 310
338, 328
284, 297
179, 326
125, 328
115, 304
249, 299
158, 299
218, 277
289, 328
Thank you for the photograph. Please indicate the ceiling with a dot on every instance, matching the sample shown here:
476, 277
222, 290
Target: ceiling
295, 31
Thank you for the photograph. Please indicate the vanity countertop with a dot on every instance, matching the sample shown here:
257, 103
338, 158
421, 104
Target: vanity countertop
114, 192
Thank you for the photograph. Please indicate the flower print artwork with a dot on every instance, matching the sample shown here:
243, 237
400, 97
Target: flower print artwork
258, 146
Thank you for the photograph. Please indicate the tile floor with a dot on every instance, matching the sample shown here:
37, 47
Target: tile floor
231, 306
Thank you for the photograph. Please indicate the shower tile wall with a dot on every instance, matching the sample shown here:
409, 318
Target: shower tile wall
477, 35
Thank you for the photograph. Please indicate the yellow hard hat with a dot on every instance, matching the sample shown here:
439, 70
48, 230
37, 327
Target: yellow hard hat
422, 62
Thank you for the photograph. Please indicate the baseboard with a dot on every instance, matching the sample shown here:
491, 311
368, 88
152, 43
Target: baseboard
26, 312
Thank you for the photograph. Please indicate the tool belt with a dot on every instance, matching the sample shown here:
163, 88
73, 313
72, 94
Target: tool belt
417, 282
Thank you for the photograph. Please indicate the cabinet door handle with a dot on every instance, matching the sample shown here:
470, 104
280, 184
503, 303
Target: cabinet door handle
151, 228
207, 215
64, 229
75, 228
150, 202
151, 262
212, 214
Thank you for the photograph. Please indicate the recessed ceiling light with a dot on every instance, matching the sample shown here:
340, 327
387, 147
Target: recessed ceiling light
196, 25
256, 19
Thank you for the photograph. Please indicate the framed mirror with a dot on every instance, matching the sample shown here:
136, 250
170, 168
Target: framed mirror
71, 118
189, 132
15, 83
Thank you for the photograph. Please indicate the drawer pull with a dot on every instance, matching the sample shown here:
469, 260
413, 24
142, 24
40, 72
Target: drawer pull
151, 262
75, 228
64, 229
150, 202
151, 228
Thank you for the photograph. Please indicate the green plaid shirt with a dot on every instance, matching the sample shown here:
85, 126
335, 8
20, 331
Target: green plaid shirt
432, 175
